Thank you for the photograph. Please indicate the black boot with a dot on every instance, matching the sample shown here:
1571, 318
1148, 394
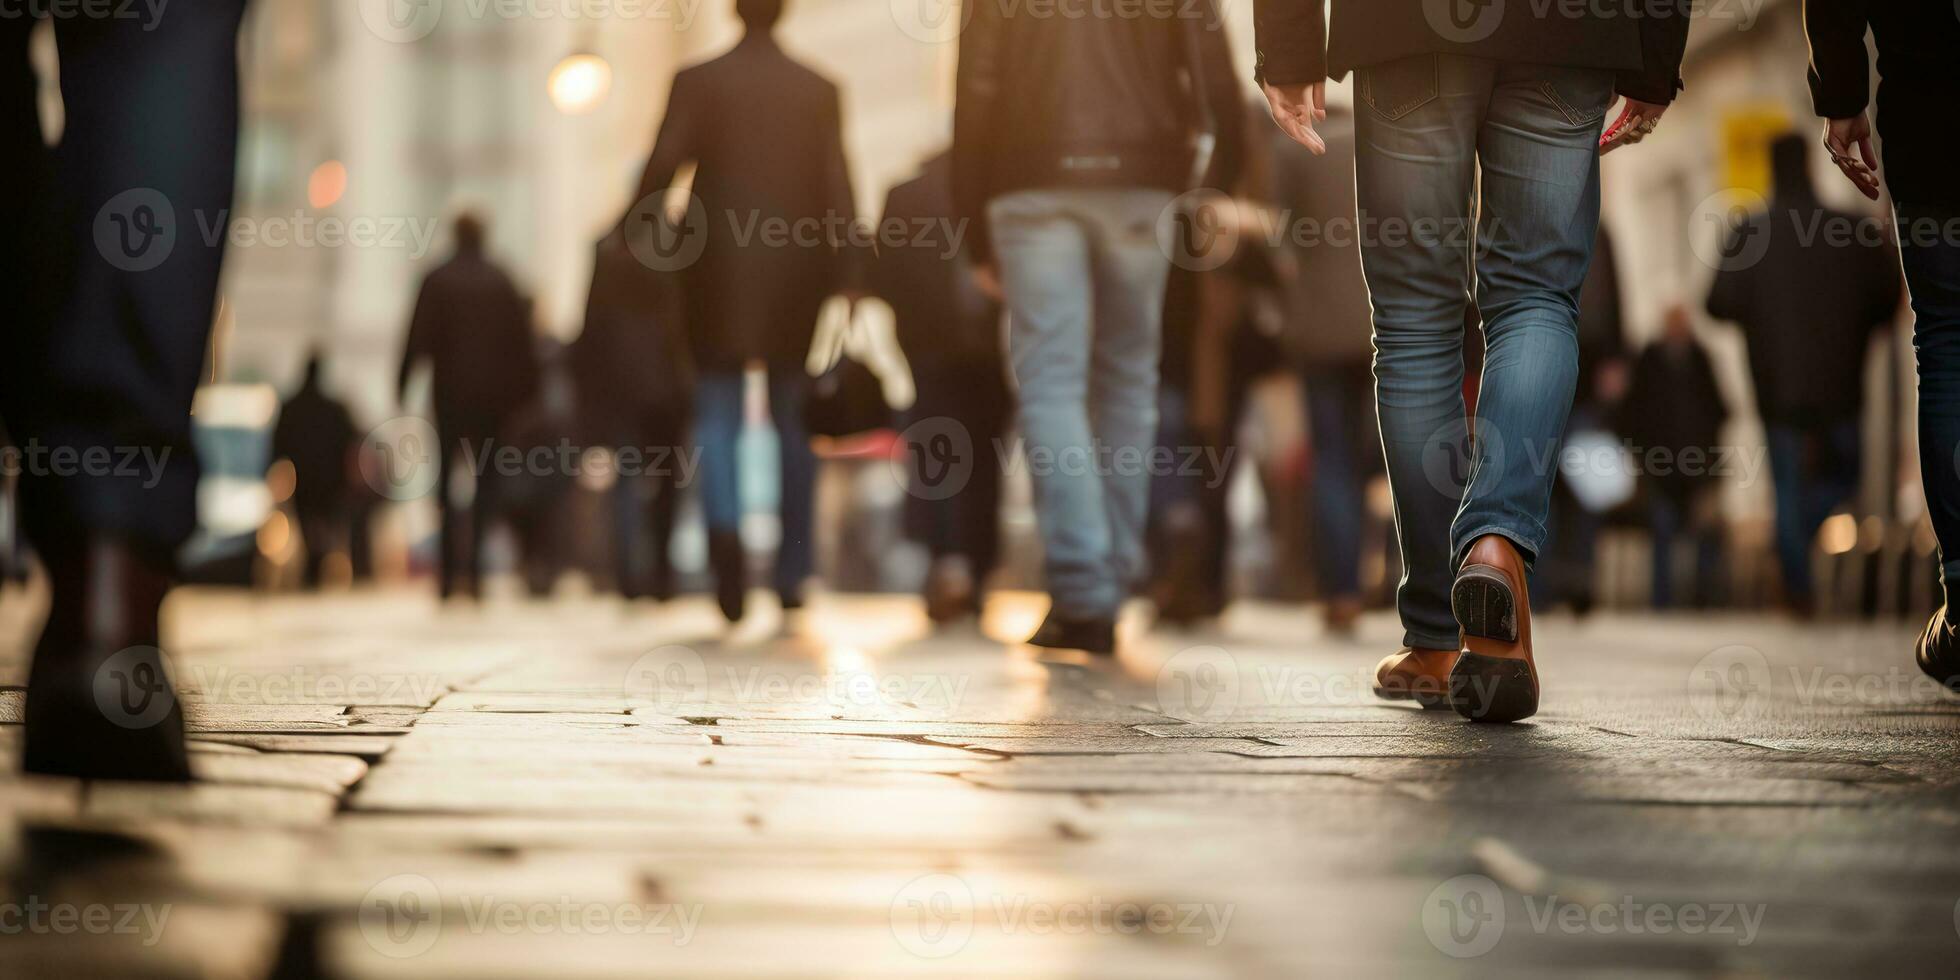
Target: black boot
1097, 635
99, 700
731, 568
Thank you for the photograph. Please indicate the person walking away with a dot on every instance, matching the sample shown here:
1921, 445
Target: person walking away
1673, 418
1917, 86
777, 161
113, 290
1327, 330
1071, 138
635, 388
952, 336
1808, 295
472, 327
1505, 123
317, 436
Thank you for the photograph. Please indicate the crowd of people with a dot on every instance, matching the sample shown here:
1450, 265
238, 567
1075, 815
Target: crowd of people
1076, 309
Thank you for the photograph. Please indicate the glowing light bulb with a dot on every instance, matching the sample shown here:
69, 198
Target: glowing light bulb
579, 83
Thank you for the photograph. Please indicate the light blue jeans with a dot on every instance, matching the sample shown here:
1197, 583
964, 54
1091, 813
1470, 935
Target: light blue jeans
1084, 278
1521, 237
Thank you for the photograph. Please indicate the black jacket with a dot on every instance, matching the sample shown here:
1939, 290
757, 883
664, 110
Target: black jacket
1674, 403
766, 136
474, 328
630, 362
316, 433
1809, 305
1644, 51
943, 318
1918, 42
1046, 100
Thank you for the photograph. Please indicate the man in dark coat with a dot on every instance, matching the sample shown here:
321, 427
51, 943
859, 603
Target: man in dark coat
764, 243
1673, 418
1809, 285
634, 383
317, 436
952, 337
474, 328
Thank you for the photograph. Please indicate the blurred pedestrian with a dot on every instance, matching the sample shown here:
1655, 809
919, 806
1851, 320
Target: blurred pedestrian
473, 327
112, 290
1328, 330
1476, 168
635, 388
1808, 292
952, 336
1071, 138
765, 134
1673, 417
1917, 88
1565, 573
316, 435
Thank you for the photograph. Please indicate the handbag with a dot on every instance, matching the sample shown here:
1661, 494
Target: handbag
846, 398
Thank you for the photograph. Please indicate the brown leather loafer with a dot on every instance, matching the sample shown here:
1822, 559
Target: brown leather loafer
1494, 678
1412, 674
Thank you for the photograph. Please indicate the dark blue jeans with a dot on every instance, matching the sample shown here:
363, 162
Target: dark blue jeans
1469, 165
1338, 407
1929, 245
718, 423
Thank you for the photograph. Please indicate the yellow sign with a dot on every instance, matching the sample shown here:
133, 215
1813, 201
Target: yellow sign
1746, 135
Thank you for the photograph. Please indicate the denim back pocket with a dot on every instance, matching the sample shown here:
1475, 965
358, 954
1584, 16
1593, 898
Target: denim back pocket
1582, 94
1396, 88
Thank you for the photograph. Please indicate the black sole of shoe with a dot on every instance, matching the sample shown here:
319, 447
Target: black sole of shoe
1497, 690
1484, 606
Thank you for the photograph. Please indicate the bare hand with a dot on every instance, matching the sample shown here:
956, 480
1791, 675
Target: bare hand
1637, 121
987, 279
1850, 143
1296, 108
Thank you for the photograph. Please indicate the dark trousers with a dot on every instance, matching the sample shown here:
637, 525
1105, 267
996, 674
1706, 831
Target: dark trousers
957, 428
1815, 469
1340, 405
110, 245
1194, 484
466, 438
1671, 510
321, 527
645, 498
1932, 264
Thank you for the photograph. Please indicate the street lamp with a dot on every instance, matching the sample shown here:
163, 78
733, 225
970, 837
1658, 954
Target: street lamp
579, 83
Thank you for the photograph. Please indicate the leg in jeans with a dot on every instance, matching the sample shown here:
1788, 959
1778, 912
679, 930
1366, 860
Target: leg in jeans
1788, 475
717, 436
1665, 512
789, 388
1415, 160
1538, 151
1131, 272
1932, 264
1067, 259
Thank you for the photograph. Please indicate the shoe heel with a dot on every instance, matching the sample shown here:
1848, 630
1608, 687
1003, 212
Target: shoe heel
1493, 689
1484, 605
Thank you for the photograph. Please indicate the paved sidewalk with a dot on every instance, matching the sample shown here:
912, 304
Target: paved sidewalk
585, 788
